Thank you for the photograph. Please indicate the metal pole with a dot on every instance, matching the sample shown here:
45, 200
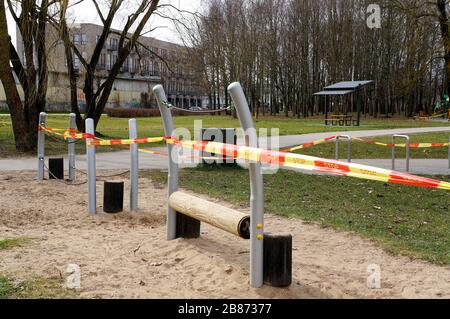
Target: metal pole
71, 148
337, 149
90, 150
173, 158
349, 150
41, 147
393, 152
256, 187
407, 146
134, 171
408, 152
349, 147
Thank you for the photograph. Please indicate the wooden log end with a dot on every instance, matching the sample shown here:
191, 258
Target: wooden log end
244, 228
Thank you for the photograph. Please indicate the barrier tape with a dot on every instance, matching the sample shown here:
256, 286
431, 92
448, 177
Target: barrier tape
69, 133
411, 145
332, 138
72, 133
311, 163
305, 145
286, 159
127, 141
51, 131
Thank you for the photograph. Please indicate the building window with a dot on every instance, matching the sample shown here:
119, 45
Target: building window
113, 60
136, 65
76, 62
113, 44
103, 60
163, 53
163, 68
76, 39
84, 39
144, 67
154, 51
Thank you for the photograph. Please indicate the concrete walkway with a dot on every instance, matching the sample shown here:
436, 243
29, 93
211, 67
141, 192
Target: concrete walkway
121, 160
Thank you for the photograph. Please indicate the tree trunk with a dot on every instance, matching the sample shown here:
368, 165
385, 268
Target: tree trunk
445, 34
23, 141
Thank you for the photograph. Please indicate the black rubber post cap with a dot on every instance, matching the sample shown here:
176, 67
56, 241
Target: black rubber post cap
277, 260
113, 197
56, 168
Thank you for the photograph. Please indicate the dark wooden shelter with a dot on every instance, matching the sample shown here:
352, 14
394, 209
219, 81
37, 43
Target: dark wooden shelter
351, 89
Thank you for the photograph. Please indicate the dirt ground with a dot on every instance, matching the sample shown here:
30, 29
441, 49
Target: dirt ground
127, 256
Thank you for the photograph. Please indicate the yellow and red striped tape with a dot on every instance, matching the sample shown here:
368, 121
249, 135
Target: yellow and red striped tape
72, 133
332, 138
311, 163
411, 145
145, 140
285, 159
310, 144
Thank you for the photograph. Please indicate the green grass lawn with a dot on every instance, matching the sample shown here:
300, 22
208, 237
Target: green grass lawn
367, 151
150, 127
10, 243
403, 220
36, 288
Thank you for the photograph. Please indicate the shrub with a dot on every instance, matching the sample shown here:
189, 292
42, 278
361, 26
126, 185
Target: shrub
134, 113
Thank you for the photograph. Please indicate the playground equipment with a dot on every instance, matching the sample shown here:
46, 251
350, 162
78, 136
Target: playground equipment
348, 138
197, 209
91, 166
91, 171
41, 147
407, 147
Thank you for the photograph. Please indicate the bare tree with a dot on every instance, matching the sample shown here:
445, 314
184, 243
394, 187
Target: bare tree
31, 18
285, 50
98, 92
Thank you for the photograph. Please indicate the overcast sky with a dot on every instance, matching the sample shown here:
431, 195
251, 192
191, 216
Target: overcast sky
85, 12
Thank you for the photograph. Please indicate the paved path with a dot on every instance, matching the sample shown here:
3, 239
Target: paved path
120, 160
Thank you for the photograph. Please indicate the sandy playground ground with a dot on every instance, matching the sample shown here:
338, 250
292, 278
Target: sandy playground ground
127, 256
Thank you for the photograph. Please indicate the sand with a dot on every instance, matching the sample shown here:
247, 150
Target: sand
127, 256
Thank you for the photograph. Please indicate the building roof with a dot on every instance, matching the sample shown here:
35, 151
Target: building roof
334, 92
343, 88
348, 85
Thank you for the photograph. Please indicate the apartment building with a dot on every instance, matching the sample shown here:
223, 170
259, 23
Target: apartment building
153, 62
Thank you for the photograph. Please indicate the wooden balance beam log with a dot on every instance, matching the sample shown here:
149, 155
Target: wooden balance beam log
222, 217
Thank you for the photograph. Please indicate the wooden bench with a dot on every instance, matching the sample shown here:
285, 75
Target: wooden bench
341, 120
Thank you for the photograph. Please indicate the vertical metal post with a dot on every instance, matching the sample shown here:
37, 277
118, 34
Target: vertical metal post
349, 147
41, 147
336, 152
90, 150
173, 157
256, 187
407, 146
134, 170
393, 152
71, 148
